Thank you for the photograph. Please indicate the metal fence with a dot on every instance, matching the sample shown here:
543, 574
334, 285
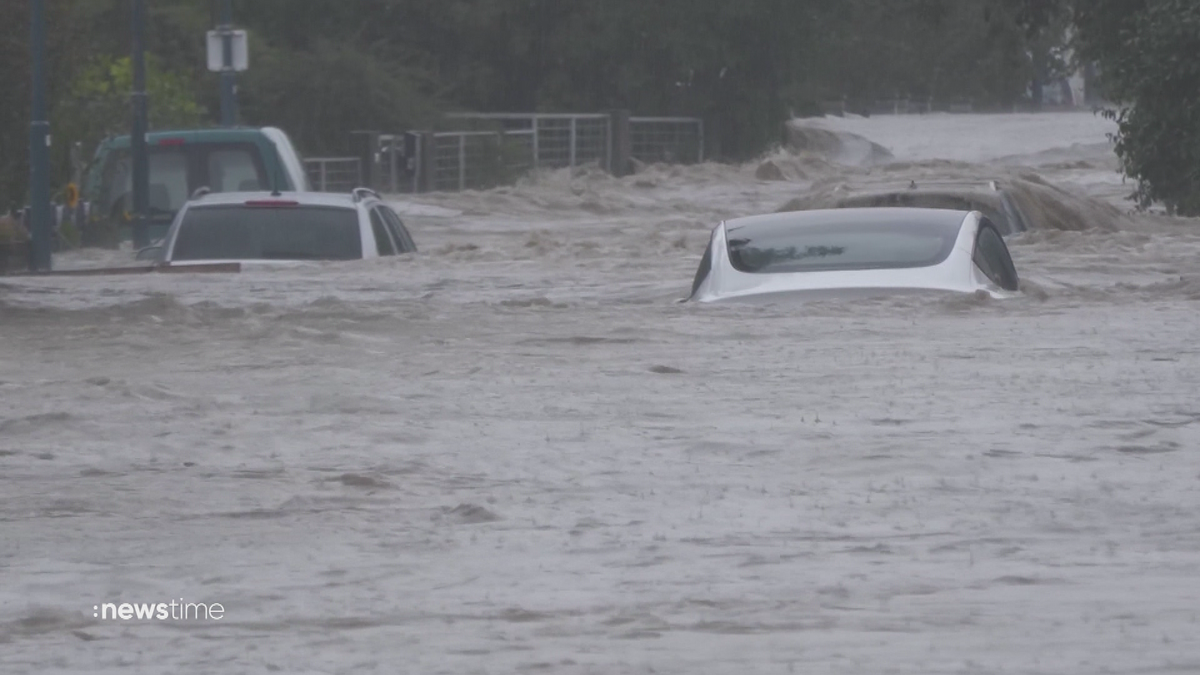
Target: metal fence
333, 174
398, 158
555, 140
491, 149
672, 140
474, 160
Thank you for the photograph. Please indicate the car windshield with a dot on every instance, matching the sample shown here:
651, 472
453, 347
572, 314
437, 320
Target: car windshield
168, 181
240, 232
782, 244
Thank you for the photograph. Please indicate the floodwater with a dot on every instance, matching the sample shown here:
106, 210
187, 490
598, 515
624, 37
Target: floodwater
516, 452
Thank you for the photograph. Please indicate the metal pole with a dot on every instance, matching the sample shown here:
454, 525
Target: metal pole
536, 146
573, 133
141, 165
416, 182
39, 145
608, 142
393, 165
462, 162
229, 111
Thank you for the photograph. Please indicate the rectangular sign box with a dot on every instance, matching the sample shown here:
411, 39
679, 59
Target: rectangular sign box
216, 51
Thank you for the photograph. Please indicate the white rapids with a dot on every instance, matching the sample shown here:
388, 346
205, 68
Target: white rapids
515, 452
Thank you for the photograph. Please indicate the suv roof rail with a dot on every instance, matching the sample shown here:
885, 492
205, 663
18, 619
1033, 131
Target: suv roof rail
200, 192
361, 193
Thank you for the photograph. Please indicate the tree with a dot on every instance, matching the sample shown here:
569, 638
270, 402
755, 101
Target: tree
96, 104
1148, 52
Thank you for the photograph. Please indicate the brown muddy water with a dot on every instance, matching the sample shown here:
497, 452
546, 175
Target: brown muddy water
515, 451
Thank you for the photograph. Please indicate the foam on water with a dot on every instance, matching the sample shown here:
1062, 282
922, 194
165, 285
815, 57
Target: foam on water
514, 451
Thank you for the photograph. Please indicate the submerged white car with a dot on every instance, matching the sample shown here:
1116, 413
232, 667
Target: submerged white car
854, 252
247, 227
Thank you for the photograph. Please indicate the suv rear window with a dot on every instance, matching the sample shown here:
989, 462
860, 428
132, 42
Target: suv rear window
780, 246
241, 232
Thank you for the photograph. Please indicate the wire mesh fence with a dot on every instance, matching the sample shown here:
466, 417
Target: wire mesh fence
671, 140
333, 174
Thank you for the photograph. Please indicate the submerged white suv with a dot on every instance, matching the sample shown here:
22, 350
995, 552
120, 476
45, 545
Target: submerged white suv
241, 227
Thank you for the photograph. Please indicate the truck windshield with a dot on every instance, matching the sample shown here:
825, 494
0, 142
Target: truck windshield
238, 232
168, 181
177, 170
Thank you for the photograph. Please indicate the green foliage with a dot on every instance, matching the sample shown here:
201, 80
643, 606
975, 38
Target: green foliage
322, 94
1149, 56
14, 106
323, 69
97, 101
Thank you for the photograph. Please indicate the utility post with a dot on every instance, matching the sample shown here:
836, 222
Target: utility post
137, 138
229, 111
39, 145
228, 54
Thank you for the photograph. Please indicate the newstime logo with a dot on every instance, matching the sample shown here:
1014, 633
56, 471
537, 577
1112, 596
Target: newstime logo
160, 611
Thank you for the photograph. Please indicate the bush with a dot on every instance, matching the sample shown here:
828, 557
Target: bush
1149, 56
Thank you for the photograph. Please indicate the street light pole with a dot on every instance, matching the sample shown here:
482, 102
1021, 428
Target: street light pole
141, 164
228, 83
39, 145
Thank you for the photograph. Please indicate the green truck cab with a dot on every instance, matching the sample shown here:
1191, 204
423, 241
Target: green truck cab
222, 160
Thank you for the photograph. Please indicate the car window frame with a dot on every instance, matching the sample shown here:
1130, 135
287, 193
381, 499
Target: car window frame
398, 229
376, 217
1006, 276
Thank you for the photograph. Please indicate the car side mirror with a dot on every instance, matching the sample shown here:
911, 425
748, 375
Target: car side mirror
150, 253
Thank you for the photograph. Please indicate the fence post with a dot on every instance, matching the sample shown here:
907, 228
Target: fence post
462, 162
427, 161
537, 150
368, 147
393, 165
413, 152
700, 141
608, 145
620, 143
574, 135
324, 176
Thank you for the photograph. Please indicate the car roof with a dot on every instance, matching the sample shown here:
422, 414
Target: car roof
214, 135
898, 216
342, 199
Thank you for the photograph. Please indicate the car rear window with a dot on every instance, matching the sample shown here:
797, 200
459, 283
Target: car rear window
267, 233
781, 245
